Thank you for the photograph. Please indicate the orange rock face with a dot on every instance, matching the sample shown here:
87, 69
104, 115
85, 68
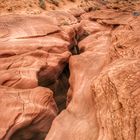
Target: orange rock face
70, 75
29, 113
34, 52
116, 93
104, 81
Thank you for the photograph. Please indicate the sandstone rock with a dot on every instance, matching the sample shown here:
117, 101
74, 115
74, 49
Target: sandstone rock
62, 17
91, 27
20, 46
104, 14
30, 112
33, 59
125, 40
24, 26
100, 101
116, 93
33, 52
23, 34
32, 69
56, 64
77, 12
80, 114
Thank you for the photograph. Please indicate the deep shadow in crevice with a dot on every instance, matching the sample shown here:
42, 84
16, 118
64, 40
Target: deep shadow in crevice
60, 88
27, 134
75, 50
59, 85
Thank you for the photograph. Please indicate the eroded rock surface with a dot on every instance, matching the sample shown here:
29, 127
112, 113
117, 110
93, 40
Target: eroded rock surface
34, 51
98, 48
104, 81
81, 106
29, 113
116, 93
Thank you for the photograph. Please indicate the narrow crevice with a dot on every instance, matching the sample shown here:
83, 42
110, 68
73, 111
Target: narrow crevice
61, 89
75, 50
59, 85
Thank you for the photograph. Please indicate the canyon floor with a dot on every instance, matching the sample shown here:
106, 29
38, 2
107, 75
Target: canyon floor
69, 70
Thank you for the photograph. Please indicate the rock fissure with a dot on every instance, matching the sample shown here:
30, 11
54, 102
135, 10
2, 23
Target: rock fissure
73, 74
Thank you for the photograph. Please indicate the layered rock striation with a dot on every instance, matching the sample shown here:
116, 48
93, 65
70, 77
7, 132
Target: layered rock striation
71, 75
